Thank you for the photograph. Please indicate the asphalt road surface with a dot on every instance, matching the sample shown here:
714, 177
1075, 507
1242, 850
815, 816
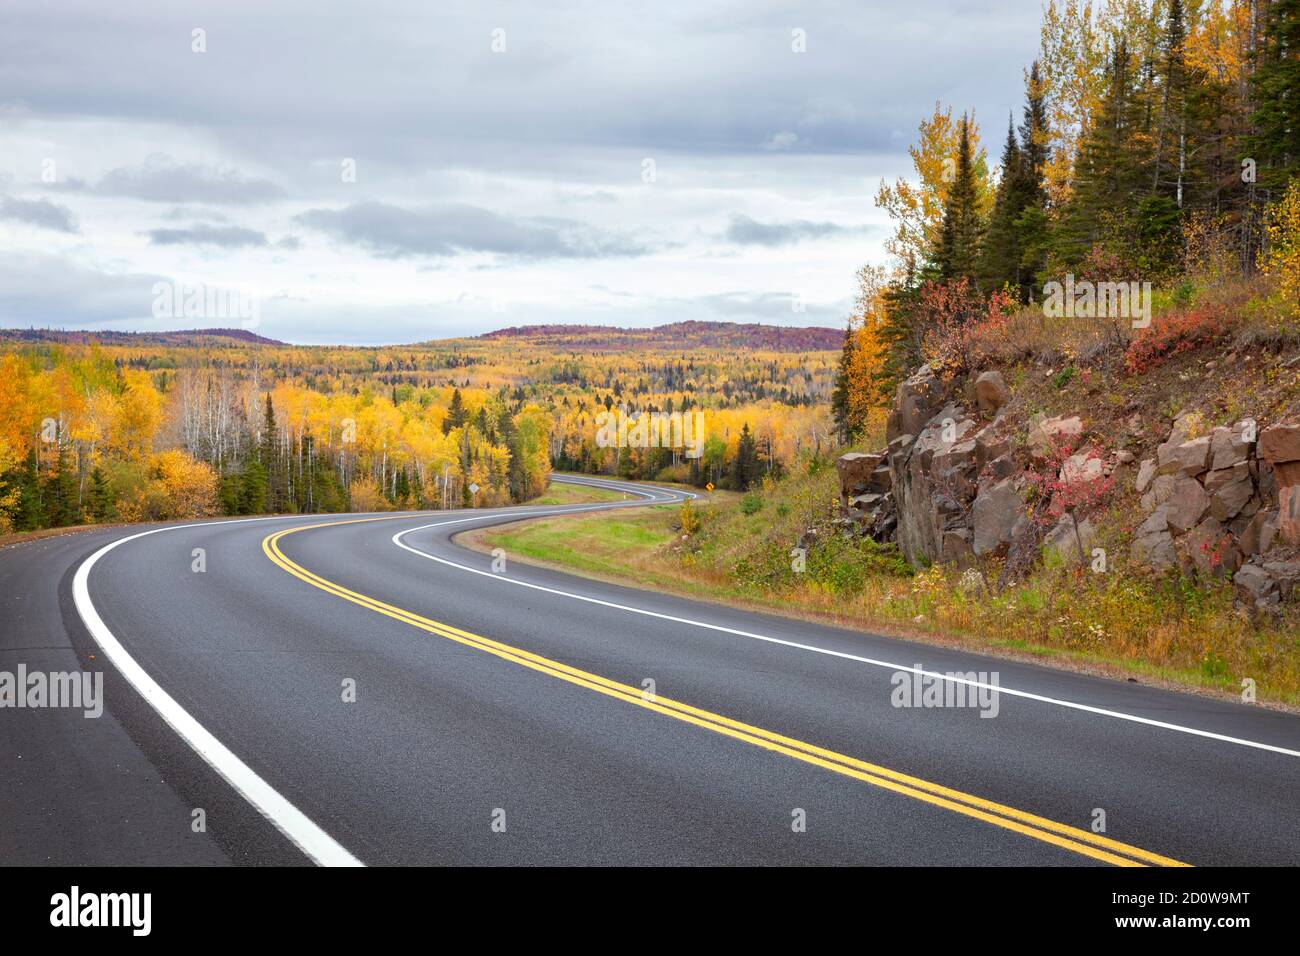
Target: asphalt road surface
343, 690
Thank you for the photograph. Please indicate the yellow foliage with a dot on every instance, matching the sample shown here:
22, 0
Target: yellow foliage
366, 495
1282, 260
917, 208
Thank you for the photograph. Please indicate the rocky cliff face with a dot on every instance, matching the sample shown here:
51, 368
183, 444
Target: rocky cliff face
953, 482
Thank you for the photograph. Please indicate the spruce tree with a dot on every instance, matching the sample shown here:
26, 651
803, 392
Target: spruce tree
1111, 172
1032, 230
745, 467
276, 495
456, 413
1000, 255
1275, 145
960, 233
840, 391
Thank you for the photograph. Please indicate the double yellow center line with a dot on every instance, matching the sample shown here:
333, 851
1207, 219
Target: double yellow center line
1077, 840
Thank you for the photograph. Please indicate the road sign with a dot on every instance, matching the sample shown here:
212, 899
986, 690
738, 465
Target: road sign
709, 486
473, 489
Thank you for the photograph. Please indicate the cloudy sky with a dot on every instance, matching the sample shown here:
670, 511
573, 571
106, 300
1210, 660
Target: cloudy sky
392, 172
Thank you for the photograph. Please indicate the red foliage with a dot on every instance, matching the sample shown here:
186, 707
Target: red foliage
960, 324
1173, 334
1056, 496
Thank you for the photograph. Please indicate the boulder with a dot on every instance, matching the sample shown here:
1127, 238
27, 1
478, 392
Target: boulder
996, 509
1227, 448
1280, 442
1082, 467
1255, 588
1146, 472
1153, 545
1208, 549
1187, 505
1183, 458
854, 470
1279, 446
991, 392
915, 402
1259, 535
1046, 434
1230, 490
1158, 493
1063, 539
1001, 467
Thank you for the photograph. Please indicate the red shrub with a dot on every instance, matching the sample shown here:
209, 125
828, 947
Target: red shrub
1173, 334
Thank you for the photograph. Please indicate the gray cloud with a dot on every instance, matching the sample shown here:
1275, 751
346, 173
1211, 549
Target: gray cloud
38, 212
225, 237
393, 232
161, 179
750, 232
45, 290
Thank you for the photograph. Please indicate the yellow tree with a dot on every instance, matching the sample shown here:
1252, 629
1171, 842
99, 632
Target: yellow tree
917, 207
139, 410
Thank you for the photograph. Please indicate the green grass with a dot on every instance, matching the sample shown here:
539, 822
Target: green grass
1167, 632
563, 494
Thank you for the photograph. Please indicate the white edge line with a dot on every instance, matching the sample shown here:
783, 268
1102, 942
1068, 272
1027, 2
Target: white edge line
1072, 705
288, 819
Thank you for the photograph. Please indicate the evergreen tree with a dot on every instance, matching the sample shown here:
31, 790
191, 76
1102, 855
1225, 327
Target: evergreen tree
1000, 256
1275, 145
456, 413
1032, 223
840, 391
253, 488
274, 466
745, 467
1111, 172
960, 233
61, 493
99, 502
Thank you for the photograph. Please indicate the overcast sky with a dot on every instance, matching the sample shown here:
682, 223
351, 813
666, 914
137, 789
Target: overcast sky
392, 172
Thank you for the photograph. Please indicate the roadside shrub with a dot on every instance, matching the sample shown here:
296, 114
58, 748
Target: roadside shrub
1175, 333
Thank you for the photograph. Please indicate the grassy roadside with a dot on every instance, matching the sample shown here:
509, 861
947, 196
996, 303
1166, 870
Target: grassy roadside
644, 548
557, 493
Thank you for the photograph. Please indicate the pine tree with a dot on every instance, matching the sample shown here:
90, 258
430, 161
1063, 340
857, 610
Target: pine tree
1111, 172
960, 234
99, 499
1032, 224
1275, 144
745, 467
1000, 254
276, 497
840, 391
456, 413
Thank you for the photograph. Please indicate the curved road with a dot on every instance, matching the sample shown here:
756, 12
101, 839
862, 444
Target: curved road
518, 715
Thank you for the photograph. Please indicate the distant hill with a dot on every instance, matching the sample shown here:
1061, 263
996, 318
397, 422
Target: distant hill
713, 335
590, 338
110, 337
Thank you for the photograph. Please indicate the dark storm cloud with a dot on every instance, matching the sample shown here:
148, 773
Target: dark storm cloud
750, 232
392, 232
226, 237
38, 212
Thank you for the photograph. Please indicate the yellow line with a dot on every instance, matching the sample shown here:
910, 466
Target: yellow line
1062, 835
